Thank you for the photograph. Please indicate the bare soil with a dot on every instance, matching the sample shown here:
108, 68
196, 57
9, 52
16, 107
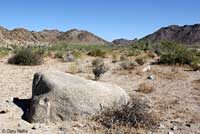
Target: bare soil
175, 98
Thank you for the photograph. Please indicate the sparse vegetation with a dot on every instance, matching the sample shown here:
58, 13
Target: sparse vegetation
172, 53
4, 51
97, 52
134, 114
127, 64
145, 88
25, 56
99, 68
141, 60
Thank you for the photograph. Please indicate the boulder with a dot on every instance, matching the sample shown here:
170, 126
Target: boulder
58, 96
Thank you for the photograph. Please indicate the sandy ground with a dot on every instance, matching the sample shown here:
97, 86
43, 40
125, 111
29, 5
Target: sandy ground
176, 98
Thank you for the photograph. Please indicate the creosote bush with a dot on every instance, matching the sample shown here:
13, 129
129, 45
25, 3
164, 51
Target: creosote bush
172, 53
99, 68
25, 56
127, 64
97, 52
141, 60
135, 114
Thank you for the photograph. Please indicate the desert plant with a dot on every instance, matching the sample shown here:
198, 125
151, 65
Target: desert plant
172, 53
25, 56
97, 62
73, 68
59, 54
97, 52
135, 114
4, 51
127, 64
141, 60
145, 88
99, 68
123, 57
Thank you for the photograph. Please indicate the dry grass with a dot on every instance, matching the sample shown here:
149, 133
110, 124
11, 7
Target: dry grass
145, 88
136, 114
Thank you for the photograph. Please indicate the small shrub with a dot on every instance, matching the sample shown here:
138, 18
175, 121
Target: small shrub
99, 68
123, 57
134, 114
4, 51
97, 62
133, 52
145, 88
195, 65
59, 54
114, 58
141, 60
73, 68
97, 52
172, 53
77, 54
128, 64
25, 56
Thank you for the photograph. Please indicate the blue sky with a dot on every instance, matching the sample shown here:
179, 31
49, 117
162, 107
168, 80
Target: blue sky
109, 19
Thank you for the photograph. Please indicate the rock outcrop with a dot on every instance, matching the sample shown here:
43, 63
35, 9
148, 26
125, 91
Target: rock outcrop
24, 37
187, 34
124, 42
58, 96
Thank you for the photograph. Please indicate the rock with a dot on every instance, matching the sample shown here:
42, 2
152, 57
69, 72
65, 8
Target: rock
148, 68
58, 96
174, 128
162, 126
188, 125
36, 126
69, 57
151, 77
170, 133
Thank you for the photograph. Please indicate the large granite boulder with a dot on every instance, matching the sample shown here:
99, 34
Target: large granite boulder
58, 96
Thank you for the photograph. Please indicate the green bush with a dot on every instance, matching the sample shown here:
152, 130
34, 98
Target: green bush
172, 53
4, 52
25, 56
97, 52
141, 60
59, 54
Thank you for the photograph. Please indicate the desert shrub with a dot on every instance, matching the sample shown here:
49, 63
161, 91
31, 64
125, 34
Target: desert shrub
133, 52
97, 52
127, 64
136, 113
145, 88
195, 65
114, 58
4, 51
25, 56
99, 68
97, 62
123, 57
142, 45
59, 54
141, 60
172, 53
73, 68
77, 54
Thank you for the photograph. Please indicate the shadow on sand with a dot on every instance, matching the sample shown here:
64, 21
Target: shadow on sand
24, 104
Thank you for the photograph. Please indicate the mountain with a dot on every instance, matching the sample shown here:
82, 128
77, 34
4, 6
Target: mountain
22, 37
123, 41
187, 34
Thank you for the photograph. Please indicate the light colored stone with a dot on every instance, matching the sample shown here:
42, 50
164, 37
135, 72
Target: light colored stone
57, 96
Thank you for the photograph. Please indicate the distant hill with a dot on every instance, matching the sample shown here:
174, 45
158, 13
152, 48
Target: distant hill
21, 37
187, 34
123, 41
